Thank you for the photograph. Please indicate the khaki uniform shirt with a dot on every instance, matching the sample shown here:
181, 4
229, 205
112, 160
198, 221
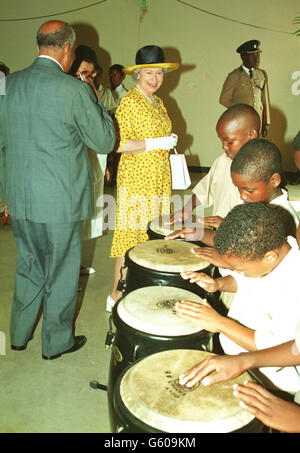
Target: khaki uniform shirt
239, 88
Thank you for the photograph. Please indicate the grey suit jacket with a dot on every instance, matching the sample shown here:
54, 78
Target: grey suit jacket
48, 119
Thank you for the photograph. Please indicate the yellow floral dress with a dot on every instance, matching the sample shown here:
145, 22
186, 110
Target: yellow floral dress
144, 179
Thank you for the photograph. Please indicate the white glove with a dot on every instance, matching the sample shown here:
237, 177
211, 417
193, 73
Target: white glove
168, 142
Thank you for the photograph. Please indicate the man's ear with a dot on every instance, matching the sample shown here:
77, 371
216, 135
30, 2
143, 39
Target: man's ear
66, 48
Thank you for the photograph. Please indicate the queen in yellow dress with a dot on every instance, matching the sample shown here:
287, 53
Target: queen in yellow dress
144, 177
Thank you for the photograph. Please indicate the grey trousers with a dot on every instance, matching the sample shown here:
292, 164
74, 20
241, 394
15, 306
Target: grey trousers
47, 271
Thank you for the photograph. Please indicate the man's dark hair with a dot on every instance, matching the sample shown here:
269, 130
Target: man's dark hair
77, 62
83, 53
59, 38
86, 53
118, 67
259, 159
249, 231
4, 68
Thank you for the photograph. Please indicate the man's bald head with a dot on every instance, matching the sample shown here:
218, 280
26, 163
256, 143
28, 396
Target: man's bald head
243, 114
55, 34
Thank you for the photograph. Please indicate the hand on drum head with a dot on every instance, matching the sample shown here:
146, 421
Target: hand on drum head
269, 409
207, 318
179, 216
222, 367
191, 234
210, 254
205, 281
213, 221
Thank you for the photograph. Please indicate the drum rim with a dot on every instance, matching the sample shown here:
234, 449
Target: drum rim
156, 271
183, 225
123, 413
154, 235
127, 257
185, 424
128, 319
149, 228
118, 320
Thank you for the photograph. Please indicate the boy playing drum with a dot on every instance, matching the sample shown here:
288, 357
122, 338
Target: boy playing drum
252, 241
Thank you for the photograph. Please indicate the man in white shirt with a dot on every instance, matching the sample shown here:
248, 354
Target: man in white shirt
116, 78
106, 96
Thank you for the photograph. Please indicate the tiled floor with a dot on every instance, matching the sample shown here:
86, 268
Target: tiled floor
38, 396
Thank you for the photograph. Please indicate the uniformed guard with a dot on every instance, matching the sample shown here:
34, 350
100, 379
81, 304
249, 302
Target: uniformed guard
248, 84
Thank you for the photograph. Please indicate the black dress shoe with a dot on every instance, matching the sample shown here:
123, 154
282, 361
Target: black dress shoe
18, 348
78, 343
21, 348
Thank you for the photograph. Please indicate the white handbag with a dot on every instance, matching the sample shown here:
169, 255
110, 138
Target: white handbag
180, 175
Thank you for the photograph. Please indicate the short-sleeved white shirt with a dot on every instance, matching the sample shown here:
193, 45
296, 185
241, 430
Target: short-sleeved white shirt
271, 306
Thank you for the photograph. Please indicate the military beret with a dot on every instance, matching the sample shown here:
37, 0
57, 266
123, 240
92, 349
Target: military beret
249, 47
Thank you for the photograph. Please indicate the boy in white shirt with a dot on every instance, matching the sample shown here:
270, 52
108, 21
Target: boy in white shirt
264, 405
236, 126
252, 241
257, 173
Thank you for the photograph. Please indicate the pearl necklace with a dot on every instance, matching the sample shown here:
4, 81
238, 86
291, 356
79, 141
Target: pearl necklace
150, 100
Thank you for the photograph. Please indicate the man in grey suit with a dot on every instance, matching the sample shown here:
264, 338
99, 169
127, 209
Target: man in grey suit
47, 121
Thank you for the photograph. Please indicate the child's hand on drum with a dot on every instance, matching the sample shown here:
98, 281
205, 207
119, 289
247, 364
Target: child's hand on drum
192, 234
179, 216
205, 281
210, 255
208, 318
213, 221
269, 409
223, 368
